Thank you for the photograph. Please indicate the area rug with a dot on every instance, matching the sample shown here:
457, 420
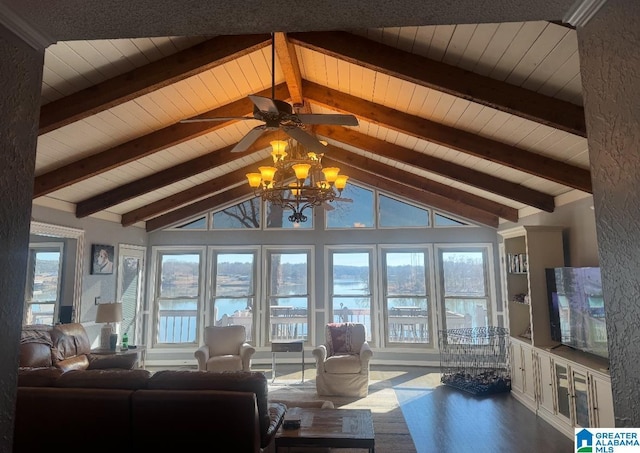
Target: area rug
391, 430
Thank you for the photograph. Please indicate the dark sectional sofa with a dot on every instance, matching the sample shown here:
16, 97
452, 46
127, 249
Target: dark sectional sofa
133, 410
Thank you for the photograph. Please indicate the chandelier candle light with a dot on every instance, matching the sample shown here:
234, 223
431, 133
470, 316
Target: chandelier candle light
297, 180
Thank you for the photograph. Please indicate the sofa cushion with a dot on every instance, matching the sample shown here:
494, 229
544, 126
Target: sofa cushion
239, 381
35, 346
70, 340
35, 355
38, 377
80, 362
101, 362
276, 417
105, 379
343, 364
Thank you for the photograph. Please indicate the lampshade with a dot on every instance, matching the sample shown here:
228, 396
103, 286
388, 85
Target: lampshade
110, 312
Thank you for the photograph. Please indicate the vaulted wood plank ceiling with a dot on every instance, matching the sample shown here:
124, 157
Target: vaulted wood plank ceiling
518, 147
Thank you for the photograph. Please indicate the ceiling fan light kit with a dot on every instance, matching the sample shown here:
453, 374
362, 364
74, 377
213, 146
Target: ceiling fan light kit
297, 181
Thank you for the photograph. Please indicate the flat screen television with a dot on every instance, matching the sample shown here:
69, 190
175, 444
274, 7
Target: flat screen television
576, 308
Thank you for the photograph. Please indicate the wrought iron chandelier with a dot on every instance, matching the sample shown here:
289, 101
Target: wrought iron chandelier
297, 180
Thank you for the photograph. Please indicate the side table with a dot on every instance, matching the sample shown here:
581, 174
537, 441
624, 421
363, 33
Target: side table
286, 346
140, 351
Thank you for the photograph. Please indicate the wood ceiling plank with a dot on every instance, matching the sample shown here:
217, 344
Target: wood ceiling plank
463, 141
140, 81
441, 167
179, 199
171, 175
143, 146
446, 78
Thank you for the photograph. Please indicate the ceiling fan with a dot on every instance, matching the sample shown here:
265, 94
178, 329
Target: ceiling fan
277, 114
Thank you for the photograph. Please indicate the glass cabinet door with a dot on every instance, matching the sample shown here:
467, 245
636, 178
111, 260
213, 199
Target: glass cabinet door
562, 390
580, 399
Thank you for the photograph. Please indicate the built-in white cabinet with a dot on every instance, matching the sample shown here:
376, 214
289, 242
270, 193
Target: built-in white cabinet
524, 288
522, 373
570, 394
565, 387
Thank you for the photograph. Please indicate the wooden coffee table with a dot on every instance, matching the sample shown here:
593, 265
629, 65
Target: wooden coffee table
329, 428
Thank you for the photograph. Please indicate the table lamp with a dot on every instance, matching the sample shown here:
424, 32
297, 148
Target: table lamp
108, 313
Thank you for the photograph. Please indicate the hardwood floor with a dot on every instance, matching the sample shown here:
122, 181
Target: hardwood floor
447, 420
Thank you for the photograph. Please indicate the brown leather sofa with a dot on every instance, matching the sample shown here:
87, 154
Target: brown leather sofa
133, 410
66, 347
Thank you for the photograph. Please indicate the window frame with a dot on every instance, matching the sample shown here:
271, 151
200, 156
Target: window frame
268, 252
34, 249
489, 278
374, 308
157, 253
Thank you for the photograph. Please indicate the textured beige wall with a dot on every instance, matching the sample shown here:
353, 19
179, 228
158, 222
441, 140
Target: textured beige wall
610, 69
20, 82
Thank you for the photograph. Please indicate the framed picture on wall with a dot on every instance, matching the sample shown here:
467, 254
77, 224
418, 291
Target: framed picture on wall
102, 259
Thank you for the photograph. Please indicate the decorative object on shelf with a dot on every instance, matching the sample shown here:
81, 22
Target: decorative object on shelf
108, 313
518, 263
102, 259
521, 298
297, 180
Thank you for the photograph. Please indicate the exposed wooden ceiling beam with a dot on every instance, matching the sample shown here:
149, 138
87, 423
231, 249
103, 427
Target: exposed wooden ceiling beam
413, 193
379, 169
163, 178
286, 53
185, 212
446, 78
441, 167
142, 146
189, 195
466, 142
143, 80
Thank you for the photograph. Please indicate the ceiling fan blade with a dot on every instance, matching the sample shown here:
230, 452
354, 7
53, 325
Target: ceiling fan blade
327, 206
306, 140
248, 139
264, 104
219, 118
330, 118
346, 200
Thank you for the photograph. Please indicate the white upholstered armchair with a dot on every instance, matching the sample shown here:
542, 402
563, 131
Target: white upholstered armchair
225, 349
342, 363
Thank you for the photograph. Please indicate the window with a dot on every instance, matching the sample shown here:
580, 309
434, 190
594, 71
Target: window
42, 292
277, 217
288, 294
350, 287
397, 214
245, 215
178, 296
406, 297
356, 211
464, 289
441, 220
197, 224
233, 289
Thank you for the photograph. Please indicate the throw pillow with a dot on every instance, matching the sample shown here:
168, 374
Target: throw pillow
340, 338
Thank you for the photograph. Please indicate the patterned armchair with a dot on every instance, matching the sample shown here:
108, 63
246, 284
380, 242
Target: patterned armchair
342, 363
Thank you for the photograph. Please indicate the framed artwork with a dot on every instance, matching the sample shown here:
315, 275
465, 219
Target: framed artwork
102, 259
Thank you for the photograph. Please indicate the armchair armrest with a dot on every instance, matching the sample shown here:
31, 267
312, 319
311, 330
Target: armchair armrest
246, 351
320, 353
365, 354
202, 355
